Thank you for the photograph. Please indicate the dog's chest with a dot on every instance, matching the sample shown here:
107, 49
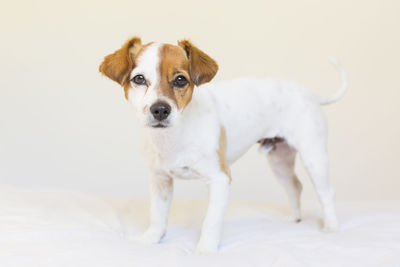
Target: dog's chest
180, 167
185, 172
181, 161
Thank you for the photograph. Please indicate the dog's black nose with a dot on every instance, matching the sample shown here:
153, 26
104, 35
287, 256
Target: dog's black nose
160, 110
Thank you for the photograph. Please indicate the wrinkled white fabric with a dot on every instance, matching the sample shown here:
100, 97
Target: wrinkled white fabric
52, 228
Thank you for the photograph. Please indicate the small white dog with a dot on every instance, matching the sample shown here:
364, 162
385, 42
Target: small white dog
195, 130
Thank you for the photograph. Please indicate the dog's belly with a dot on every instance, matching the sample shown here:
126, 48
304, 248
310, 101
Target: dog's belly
236, 149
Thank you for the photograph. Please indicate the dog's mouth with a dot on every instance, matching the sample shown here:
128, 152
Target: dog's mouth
159, 125
156, 124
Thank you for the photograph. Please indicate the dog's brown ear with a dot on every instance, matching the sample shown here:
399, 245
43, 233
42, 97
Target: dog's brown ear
202, 68
118, 65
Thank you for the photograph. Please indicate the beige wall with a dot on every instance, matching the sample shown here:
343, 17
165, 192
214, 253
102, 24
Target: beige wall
64, 125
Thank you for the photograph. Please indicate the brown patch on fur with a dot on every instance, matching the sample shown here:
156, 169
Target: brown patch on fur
127, 86
202, 68
126, 90
186, 60
222, 153
174, 63
118, 65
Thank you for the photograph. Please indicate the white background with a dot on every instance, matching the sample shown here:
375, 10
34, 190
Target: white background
63, 125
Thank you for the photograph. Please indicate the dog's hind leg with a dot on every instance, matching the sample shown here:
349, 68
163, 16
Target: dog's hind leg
315, 158
282, 160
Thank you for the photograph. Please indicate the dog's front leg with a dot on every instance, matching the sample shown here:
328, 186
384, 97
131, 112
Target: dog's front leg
161, 187
218, 199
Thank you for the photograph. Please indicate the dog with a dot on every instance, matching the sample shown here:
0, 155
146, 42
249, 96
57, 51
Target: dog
194, 129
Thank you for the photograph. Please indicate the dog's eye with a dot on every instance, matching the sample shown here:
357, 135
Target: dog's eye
180, 81
139, 79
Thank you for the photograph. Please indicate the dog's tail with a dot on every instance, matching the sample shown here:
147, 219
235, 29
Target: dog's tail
335, 97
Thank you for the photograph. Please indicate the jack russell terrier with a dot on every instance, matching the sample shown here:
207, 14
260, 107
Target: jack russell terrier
194, 129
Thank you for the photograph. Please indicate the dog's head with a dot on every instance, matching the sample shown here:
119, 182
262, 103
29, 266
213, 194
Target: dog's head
158, 79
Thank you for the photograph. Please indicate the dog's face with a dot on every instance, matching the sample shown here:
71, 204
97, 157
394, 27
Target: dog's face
159, 79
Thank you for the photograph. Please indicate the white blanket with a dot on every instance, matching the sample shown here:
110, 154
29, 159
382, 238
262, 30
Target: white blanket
51, 228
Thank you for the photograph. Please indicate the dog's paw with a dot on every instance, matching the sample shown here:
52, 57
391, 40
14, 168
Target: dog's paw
330, 227
204, 247
291, 218
149, 237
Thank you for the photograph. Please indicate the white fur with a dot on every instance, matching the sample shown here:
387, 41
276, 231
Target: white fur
249, 110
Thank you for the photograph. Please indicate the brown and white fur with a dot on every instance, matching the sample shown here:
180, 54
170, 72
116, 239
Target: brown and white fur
194, 129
